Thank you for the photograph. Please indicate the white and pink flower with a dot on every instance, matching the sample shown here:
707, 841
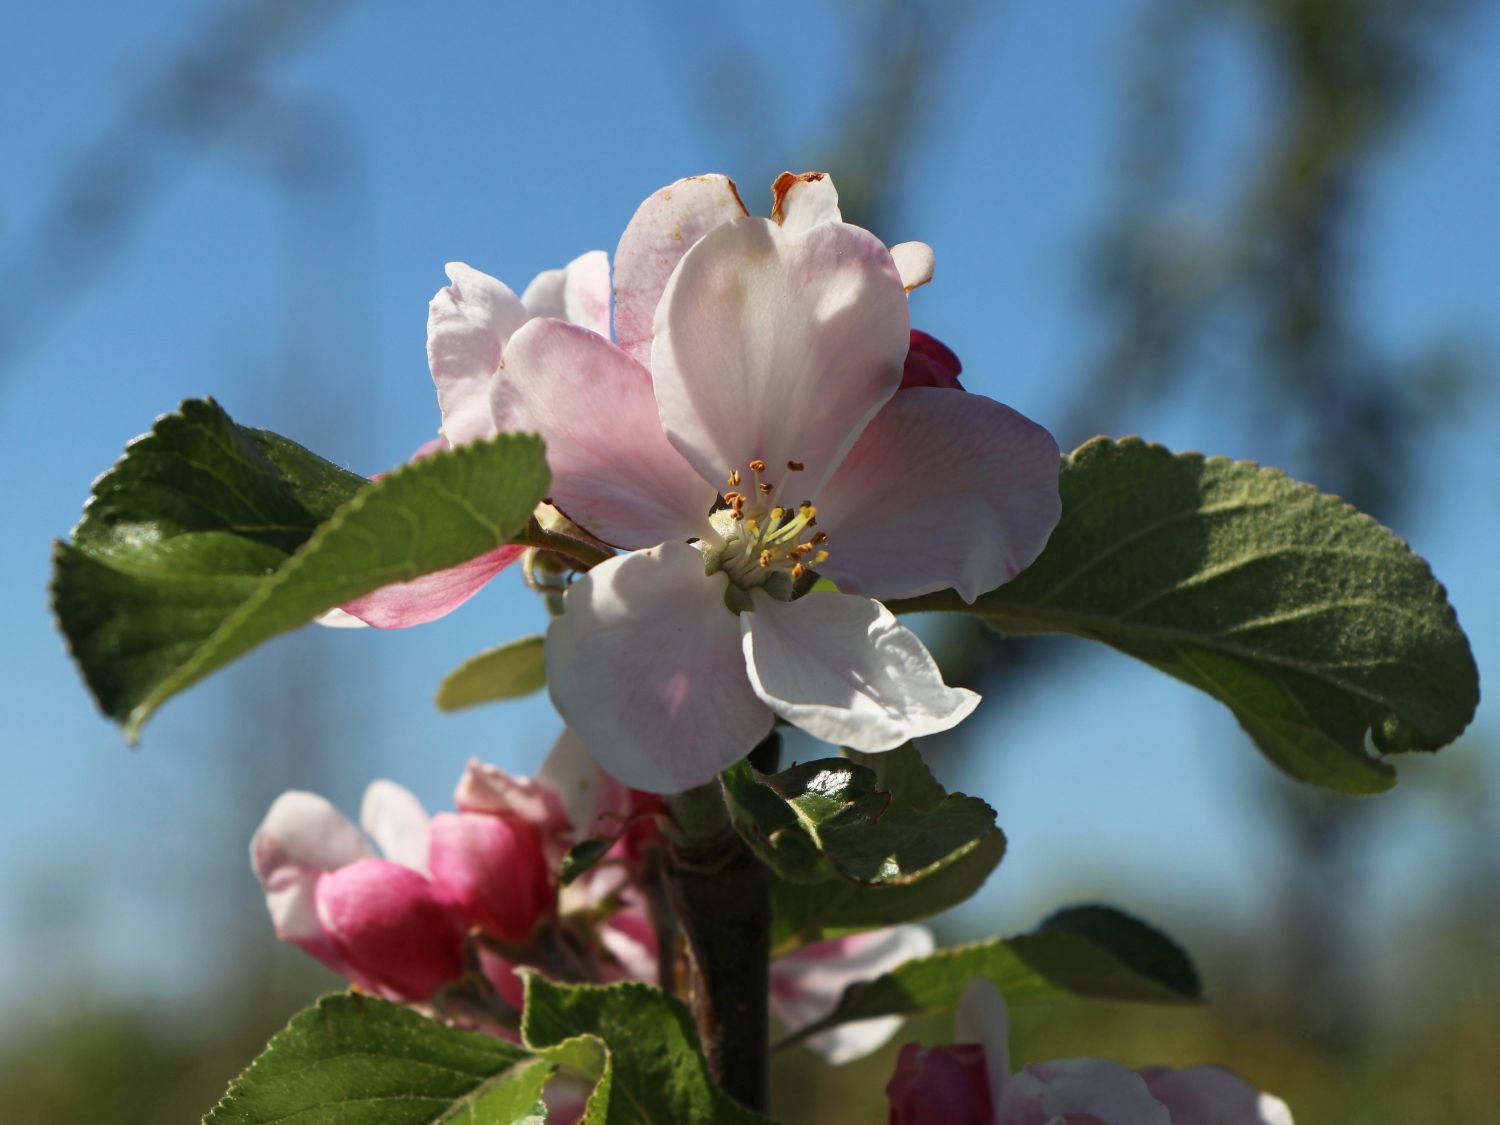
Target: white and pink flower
746, 429
971, 1083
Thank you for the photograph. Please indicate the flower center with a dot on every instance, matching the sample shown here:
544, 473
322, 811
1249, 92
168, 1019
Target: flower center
764, 539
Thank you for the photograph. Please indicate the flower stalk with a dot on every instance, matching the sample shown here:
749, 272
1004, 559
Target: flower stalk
721, 895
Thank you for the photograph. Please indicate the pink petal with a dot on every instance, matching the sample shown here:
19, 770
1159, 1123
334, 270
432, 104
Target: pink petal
404, 604
942, 490
662, 230
577, 293
397, 822
778, 347
494, 870
468, 324
302, 837
914, 263
807, 985
613, 471
597, 804
1212, 1095
629, 937
842, 669
489, 789
940, 1086
386, 920
1079, 1090
645, 666
930, 363
804, 201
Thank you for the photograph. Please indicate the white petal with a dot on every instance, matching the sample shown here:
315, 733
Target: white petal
1046, 1091
914, 263
396, 820
983, 1018
943, 489
613, 470
645, 666
662, 230
1212, 1095
468, 325
575, 777
843, 669
807, 985
778, 347
301, 837
577, 293
336, 618
804, 201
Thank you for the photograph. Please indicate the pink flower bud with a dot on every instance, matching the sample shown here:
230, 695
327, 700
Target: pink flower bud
930, 363
940, 1086
492, 868
489, 789
387, 922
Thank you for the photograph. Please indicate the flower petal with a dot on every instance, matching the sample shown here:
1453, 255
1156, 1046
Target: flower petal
942, 1085
843, 669
489, 789
941, 490
645, 666
661, 231
1212, 1095
494, 870
914, 263
404, 604
807, 985
930, 363
983, 1018
301, 837
577, 293
393, 817
779, 347
613, 471
468, 324
1112, 1093
804, 201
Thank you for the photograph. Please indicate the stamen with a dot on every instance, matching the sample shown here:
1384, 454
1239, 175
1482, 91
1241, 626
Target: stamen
795, 466
819, 539
734, 479
765, 558
731, 497
757, 466
765, 488
798, 571
820, 558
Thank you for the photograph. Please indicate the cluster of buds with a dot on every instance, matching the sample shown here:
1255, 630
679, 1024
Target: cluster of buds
455, 903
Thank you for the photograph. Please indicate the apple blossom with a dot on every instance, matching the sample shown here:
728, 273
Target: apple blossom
767, 440
971, 1082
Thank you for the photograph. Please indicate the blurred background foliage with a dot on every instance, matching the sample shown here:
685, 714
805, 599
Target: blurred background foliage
1243, 286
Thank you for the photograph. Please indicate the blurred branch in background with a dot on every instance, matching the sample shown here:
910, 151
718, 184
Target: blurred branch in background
117, 179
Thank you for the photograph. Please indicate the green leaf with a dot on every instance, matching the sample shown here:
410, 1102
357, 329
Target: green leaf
507, 672
636, 1044
1317, 626
581, 856
1090, 952
208, 538
355, 1060
856, 845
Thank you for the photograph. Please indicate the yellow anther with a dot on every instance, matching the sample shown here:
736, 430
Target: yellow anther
765, 558
794, 466
765, 487
777, 514
807, 512
734, 479
736, 515
757, 466
820, 558
798, 571
731, 497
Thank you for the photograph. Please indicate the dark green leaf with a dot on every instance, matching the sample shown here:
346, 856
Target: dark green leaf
507, 672
636, 1043
581, 856
1318, 627
1091, 952
859, 843
208, 538
355, 1060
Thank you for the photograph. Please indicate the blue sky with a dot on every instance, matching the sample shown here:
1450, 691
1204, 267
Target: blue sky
515, 137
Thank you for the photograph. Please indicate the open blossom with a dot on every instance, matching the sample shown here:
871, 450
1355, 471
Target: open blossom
745, 429
970, 1083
